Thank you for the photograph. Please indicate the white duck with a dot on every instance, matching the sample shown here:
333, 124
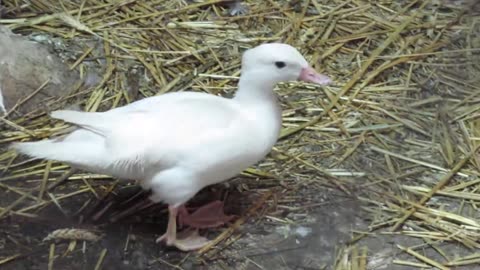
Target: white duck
177, 143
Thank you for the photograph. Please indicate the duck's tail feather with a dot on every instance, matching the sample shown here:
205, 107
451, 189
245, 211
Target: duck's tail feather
42, 149
80, 147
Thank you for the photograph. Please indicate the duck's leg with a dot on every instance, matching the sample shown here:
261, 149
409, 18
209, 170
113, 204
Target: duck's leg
208, 216
188, 242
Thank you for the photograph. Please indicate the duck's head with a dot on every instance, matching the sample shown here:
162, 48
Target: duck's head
280, 63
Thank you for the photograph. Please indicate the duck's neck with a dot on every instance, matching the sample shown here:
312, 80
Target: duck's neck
255, 94
254, 90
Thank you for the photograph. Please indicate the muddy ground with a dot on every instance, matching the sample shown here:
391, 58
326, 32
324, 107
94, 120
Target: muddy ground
310, 241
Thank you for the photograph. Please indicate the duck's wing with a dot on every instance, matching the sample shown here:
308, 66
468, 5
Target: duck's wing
129, 141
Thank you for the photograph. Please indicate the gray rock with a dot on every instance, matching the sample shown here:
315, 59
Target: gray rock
26, 65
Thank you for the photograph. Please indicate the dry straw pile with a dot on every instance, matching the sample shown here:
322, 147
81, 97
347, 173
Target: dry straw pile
399, 130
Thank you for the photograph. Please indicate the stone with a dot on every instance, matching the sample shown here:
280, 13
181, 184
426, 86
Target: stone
24, 67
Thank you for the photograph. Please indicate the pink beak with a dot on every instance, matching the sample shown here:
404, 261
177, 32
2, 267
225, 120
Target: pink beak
309, 74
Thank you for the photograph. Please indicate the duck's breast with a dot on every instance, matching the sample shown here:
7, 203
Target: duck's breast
244, 143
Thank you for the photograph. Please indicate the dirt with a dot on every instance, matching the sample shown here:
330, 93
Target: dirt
309, 242
274, 238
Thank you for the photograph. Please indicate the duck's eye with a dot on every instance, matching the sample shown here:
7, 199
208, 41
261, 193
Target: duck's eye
280, 64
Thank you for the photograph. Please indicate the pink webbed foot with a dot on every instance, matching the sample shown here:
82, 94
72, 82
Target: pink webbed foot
185, 241
208, 216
